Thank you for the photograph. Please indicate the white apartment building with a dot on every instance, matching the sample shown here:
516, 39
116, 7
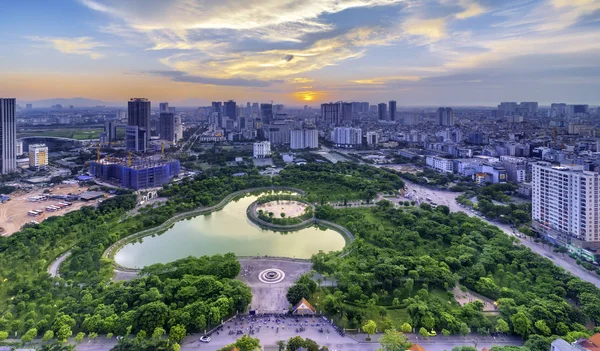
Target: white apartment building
304, 139
440, 164
565, 203
346, 136
372, 138
262, 149
38, 156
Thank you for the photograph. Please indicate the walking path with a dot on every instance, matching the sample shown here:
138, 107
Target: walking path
54, 267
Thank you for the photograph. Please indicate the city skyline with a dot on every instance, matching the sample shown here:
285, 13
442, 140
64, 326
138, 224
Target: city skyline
418, 53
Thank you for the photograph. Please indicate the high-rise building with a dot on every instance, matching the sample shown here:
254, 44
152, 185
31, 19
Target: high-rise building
266, 113
136, 139
110, 128
445, 116
528, 108
565, 204
372, 138
163, 107
230, 109
507, 108
138, 115
304, 139
558, 109
178, 128
166, 126
255, 108
38, 156
346, 137
346, 112
8, 135
382, 111
330, 113
392, 108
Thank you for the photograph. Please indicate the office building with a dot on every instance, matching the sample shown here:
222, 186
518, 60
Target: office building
440, 164
382, 111
8, 135
138, 115
445, 116
230, 109
528, 108
38, 156
392, 108
136, 139
137, 174
278, 132
266, 113
346, 137
163, 107
565, 204
577, 110
166, 126
262, 149
110, 129
330, 113
19, 147
304, 139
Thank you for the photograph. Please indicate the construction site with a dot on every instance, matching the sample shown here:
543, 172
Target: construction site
36, 206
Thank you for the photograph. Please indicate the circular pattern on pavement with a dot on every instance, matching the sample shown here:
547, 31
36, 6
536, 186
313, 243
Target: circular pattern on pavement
271, 276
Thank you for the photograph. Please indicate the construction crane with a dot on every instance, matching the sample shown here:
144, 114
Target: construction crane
129, 159
162, 149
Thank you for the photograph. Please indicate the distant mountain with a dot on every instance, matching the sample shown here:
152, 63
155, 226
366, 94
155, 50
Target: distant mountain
65, 102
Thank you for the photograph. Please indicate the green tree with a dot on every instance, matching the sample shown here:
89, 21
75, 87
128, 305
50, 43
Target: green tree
48, 335
446, 332
177, 333
542, 327
521, 324
29, 335
109, 335
79, 337
406, 328
369, 328
158, 333
93, 335
64, 333
464, 329
297, 292
3, 335
245, 343
392, 340
502, 326
423, 332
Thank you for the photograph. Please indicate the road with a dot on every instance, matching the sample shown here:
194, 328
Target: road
449, 199
53, 269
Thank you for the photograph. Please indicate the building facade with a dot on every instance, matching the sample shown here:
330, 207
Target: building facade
565, 204
8, 136
382, 111
166, 126
346, 137
136, 139
138, 115
304, 139
262, 149
38, 156
140, 174
330, 113
392, 108
440, 164
445, 116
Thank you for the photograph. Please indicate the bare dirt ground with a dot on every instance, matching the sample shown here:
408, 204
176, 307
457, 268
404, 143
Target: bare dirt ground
290, 208
464, 297
13, 214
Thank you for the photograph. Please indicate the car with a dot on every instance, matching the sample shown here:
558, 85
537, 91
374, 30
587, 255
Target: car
432, 333
205, 339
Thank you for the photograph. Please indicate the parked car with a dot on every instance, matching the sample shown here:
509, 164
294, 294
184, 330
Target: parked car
205, 339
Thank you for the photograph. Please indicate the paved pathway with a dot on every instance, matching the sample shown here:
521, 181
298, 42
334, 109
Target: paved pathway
54, 267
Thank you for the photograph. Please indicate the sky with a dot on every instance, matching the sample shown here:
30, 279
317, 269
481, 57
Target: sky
297, 52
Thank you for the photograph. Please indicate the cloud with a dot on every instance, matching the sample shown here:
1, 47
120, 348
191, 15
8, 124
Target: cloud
299, 80
470, 9
431, 29
385, 80
179, 76
78, 46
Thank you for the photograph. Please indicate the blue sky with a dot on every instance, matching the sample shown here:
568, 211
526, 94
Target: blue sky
418, 52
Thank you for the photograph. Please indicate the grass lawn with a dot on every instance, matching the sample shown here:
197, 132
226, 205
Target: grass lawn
79, 134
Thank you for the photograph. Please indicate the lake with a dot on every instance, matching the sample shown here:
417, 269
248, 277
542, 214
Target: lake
227, 230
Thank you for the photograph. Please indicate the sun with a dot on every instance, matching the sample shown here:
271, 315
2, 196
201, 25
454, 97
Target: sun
308, 95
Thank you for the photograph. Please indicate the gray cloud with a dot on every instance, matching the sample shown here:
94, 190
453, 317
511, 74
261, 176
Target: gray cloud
179, 76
